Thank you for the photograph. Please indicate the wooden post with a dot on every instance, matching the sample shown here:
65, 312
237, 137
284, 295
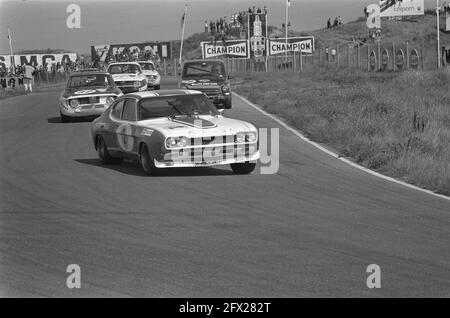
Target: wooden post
379, 55
348, 56
337, 55
407, 54
301, 60
393, 57
358, 57
422, 56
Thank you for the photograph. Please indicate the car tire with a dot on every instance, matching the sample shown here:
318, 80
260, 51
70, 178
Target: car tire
146, 161
156, 88
243, 167
227, 103
103, 154
65, 119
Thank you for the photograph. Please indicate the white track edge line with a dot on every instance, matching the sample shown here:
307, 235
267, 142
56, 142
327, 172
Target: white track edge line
337, 156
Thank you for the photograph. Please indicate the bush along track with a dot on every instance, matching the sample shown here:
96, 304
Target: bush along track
397, 124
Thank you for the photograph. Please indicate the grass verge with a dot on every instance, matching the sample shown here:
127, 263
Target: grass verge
397, 124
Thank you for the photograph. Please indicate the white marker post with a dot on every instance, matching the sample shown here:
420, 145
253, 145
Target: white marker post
288, 4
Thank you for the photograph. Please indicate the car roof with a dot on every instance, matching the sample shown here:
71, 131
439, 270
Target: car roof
145, 62
163, 92
119, 63
204, 61
77, 73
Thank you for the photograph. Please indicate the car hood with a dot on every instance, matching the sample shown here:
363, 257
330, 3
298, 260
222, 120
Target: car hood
197, 127
148, 72
128, 77
86, 91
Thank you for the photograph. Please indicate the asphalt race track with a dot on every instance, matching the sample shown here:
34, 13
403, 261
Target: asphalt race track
309, 230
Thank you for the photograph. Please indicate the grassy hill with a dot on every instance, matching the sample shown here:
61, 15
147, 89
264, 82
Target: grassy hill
412, 29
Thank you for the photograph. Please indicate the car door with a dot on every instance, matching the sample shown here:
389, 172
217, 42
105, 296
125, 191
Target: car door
126, 132
113, 125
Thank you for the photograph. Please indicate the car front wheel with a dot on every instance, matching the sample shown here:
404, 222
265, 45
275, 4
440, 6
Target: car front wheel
243, 168
103, 154
147, 162
64, 118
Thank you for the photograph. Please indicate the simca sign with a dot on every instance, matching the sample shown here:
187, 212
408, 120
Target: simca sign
36, 59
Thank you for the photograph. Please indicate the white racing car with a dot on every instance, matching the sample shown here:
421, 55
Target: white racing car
153, 77
173, 128
128, 76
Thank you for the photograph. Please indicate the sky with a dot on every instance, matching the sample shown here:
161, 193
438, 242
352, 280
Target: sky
41, 24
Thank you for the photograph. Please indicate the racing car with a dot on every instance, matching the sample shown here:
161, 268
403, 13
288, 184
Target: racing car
87, 93
128, 76
153, 77
209, 77
173, 128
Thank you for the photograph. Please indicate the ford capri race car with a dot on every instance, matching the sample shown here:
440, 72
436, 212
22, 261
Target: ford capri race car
128, 76
153, 77
87, 94
173, 128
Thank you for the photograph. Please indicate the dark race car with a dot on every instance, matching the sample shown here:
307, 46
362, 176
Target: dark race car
87, 94
209, 77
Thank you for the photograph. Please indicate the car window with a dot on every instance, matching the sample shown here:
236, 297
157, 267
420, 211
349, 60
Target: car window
117, 110
129, 110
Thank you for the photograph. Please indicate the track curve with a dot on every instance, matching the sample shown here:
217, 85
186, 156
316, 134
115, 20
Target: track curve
309, 230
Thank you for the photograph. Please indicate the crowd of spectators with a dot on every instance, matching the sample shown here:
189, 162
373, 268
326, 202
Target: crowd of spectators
128, 56
225, 25
13, 76
337, 22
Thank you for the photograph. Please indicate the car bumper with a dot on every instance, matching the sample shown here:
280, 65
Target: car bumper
94, 110
206, 162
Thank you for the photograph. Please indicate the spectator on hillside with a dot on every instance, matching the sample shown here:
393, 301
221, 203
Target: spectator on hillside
206, 26
329, 23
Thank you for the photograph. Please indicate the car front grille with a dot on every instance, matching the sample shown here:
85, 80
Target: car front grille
88, 100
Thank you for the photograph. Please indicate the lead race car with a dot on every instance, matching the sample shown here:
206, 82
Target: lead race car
87, 93
173, 128
128, 76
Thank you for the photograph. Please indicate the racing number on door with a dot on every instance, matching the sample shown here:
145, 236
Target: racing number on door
125, 137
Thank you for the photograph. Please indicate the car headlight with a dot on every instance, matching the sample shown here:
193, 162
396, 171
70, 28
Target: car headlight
74, 103
64, 103
176, 142
109, 101
245, 137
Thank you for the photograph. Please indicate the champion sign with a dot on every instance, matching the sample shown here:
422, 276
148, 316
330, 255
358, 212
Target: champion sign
236, 49
297, 44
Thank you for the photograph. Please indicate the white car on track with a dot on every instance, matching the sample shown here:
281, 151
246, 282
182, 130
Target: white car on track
128, 76
153, 76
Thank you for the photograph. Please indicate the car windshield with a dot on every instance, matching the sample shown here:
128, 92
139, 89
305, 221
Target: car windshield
102, 80
181, 105
204, 69
124, 68
147, 66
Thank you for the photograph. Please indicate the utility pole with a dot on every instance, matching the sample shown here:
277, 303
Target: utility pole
288, 4
438, 36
